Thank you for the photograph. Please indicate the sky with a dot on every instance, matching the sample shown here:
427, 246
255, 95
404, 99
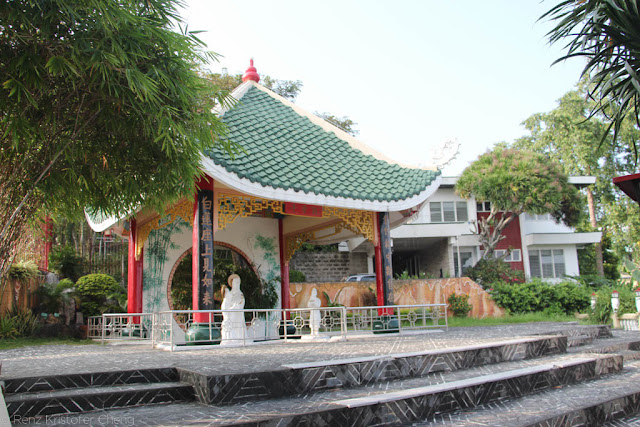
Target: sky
410, 73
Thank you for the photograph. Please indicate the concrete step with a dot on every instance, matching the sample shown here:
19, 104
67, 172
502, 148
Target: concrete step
386, 403
578, 335
612, 400
78, 400
305, 378
93, 379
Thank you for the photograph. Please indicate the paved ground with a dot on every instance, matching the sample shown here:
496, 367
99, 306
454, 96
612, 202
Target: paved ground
55, 360
67, 359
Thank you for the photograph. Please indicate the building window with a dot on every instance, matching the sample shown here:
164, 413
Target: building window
536, 217
483, 206
448, 211
466, 261
547, 263
514, 256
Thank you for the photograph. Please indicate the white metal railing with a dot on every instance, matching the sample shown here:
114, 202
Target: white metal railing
94, 327
392, 318
241, 327
126, 326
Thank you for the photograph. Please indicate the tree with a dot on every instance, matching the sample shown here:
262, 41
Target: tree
102, 105
517, 181
344, 123
607, 34
566, 135
289, 89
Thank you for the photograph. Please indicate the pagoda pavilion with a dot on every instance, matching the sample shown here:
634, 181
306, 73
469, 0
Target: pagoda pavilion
299, 179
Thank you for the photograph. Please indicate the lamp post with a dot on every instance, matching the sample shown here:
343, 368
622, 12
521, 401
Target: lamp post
593, 301
638, 300
615, 304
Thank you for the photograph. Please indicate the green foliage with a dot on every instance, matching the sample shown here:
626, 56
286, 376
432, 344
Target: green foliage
23, 271
18, 323
289, 89
96, 293
103, 106
607, 34
334, 303
459, 304
603, 310
64, 261
297, 276
8, 328
406, 276
489, 271
49, 299
611, 261
344, 123
537, 296
517, 181
65, 284
257, 293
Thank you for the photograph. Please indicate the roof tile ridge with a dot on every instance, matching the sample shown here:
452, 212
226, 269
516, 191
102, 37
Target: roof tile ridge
236, 96
328, 127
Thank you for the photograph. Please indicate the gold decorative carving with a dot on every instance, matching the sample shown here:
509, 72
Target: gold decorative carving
183, 210
232, 207
360, 222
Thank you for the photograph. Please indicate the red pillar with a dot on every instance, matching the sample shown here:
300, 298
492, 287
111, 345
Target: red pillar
285, 296
134, 279
48, 226
379, 279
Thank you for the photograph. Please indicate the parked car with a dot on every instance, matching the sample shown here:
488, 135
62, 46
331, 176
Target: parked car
362, 277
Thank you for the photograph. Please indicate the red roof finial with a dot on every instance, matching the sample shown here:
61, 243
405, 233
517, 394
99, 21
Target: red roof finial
251, 73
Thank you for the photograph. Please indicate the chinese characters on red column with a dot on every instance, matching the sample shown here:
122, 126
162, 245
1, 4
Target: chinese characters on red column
205, 210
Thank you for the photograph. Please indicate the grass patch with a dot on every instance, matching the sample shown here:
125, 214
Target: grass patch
509, 319
30, 341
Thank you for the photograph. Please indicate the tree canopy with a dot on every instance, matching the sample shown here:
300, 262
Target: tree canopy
607, 34
514, 182
565, 135
102, 105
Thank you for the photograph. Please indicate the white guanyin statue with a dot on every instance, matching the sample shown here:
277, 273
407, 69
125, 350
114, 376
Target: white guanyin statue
234, 329
314, 317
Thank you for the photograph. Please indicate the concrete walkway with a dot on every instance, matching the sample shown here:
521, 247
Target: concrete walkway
70, 359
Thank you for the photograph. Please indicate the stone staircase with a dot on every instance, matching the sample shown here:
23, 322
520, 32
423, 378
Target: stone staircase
576, 377
41, 397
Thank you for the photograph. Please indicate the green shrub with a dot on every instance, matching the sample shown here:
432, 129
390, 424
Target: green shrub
8, 328
65, 284
459, 304
97, 293
49, 299
18, 323
297, 276
537, 296
488, 272
22, 271
603, 310
64, 261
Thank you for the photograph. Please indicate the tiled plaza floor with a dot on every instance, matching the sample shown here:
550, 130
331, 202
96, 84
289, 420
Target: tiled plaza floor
68, 359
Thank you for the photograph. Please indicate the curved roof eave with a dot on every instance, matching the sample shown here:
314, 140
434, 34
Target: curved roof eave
255, 189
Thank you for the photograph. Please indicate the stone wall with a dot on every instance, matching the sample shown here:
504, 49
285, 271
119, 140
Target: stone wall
328, 266
406, 292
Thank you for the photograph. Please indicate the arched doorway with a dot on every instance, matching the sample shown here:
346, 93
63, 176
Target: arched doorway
227, 260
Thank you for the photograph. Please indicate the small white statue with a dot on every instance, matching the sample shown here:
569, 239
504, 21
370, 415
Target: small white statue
314, 317
234, 329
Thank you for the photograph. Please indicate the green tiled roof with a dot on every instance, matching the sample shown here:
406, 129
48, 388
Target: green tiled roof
285, 150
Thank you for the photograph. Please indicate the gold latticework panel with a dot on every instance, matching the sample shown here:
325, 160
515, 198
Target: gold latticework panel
183, 210
232, 207
360, 222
